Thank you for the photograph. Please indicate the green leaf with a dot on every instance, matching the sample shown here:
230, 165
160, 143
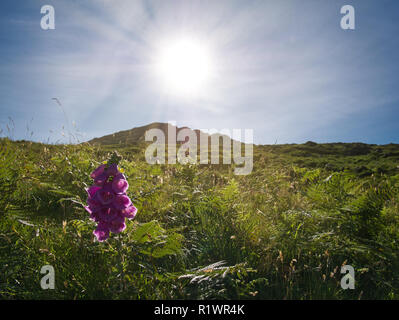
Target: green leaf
148, 231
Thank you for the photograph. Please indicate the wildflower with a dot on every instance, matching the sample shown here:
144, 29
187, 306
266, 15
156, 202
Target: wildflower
95, 216
102, 231
93, 204
96, 173
117, 225
119, 185
113, 170
121, 201
107, 202
129, 212
92, 191
108, 214
101, 179
105, 194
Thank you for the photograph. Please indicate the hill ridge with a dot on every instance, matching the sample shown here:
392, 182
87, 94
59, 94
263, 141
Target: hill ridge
136, 135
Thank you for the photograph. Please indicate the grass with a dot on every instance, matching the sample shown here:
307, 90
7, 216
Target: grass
282, 232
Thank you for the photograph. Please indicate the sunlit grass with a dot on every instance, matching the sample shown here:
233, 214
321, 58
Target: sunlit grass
282, 232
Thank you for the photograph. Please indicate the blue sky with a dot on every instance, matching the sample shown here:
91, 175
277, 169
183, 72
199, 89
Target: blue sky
285, 69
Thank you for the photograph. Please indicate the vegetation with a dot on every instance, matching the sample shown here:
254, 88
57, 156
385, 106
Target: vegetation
282, 232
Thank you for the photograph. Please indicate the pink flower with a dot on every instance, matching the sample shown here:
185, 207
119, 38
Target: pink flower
94, 204
117, 225
113, 170
119, 185
107, 202
101, 232
129, 212
97, 172
101, 179
105, 195
108, 214
95, 216
121, 201
92, 191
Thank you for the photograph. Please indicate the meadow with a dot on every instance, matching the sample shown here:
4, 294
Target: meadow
201, 232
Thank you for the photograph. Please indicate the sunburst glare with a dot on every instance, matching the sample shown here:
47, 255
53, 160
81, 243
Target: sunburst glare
184, 67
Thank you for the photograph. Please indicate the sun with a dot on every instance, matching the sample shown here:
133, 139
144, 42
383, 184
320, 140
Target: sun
184, 67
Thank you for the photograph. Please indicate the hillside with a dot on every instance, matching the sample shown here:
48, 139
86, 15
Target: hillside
363, 159
137, 135
126, 137
201, 232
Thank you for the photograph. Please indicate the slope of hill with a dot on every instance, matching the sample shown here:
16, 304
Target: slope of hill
360, 158
281, 232
137, 135
132, 136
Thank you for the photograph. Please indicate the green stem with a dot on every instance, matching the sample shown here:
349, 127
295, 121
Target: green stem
121, 257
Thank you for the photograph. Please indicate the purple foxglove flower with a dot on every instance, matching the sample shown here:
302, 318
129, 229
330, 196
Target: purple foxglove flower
117, 225
94, 203
119, 185
95, 216
108, 214
129, 212
101, 232
107, 202
101, 179
97, 172
105, 195
121, 201
92, 191
112, 170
